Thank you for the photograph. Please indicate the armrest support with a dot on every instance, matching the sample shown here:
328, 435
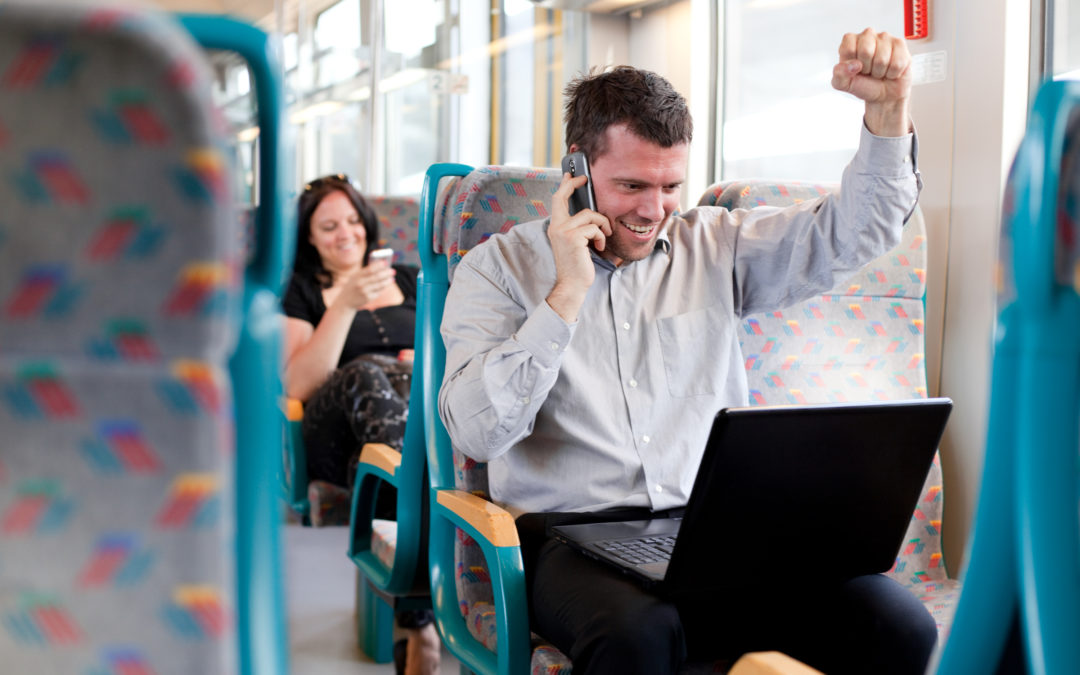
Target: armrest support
294, 409
493, 522
770, 663
381, 456
294, 482
493, 529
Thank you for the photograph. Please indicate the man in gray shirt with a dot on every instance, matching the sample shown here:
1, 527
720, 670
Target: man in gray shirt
588, 354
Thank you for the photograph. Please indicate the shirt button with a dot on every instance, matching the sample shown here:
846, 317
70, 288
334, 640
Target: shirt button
525, 400
645, 439
659, 488
554, 345
633, 383
626, 326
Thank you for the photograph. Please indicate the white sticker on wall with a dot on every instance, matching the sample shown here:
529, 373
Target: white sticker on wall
929, 67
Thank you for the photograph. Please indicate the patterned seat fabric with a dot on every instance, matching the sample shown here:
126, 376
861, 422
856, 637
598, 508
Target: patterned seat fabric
863, 340
488, 200
384, 540
399, 226
120, 263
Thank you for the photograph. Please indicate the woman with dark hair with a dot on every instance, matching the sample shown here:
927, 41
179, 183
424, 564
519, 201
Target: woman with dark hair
349, 324
348, 332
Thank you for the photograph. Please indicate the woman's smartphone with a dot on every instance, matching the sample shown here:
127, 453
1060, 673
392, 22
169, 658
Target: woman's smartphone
381, 256
575, 164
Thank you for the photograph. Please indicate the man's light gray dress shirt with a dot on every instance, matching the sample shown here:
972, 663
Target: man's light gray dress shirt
614, 410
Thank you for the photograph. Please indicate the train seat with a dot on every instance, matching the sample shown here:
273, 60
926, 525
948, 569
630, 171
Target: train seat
860, 341
399, 226
399, 230
1020, 608
477, 581
863, 340
139, 364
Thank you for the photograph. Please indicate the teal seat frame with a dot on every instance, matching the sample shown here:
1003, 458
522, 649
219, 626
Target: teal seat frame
1025, 548
293, 479
255, 364
381, 589
504, 562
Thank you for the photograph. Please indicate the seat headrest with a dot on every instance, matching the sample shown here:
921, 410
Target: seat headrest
117, 207
489, 200
399, 226
899, 273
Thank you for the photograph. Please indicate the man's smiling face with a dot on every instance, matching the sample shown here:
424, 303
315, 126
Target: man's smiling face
637, 185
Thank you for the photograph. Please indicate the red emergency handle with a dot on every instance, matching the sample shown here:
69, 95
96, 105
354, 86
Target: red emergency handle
916, 19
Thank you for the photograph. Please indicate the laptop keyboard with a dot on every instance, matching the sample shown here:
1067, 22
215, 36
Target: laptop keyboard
640, 551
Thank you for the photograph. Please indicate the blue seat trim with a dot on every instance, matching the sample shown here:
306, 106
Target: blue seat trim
260, 601
1025, 549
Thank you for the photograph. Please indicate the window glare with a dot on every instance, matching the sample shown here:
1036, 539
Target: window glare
1065, 35
410, 25
339, 26
289, 46
782, 119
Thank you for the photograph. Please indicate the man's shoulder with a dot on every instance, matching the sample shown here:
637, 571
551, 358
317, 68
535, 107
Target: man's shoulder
521, 239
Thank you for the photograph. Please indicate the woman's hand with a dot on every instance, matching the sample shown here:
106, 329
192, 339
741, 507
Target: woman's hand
362, 288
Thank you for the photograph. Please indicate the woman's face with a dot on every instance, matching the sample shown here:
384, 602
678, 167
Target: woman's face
337, 233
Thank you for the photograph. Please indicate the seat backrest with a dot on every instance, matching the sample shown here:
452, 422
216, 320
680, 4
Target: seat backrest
399, 226
487, 201
862, 340
468, 208
125, 480
1022, 578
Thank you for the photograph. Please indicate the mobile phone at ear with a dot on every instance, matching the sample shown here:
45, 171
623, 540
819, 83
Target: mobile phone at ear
575, 164
381, 256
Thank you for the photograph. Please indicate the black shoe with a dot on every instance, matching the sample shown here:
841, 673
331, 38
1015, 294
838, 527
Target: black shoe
400, 648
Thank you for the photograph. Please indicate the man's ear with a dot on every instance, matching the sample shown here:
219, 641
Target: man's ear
573, 148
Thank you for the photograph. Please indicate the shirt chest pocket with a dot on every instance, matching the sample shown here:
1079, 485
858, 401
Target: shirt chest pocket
693, 352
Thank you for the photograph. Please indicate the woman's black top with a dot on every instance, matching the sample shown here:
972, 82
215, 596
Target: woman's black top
387, 330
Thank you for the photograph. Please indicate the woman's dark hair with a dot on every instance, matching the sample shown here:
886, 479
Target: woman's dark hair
308, 263
642, 100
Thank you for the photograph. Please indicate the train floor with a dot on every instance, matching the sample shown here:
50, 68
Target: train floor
321, 587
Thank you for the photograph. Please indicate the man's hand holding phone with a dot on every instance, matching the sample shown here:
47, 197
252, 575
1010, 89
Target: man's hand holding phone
570, 237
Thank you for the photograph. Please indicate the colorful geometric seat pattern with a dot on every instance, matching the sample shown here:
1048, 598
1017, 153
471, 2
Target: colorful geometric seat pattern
399, 226
120, 270
861, 341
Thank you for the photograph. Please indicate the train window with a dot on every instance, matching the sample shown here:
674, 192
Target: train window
232, 93
781, 118
290, 61
1063, 39
412, 106
537, 51
337, 40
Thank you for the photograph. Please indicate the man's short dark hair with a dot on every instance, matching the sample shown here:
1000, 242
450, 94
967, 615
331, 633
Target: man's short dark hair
642, 100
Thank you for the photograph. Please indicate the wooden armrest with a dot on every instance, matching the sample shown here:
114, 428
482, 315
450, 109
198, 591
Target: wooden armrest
492, 522
294, 409
770, 663
381, 456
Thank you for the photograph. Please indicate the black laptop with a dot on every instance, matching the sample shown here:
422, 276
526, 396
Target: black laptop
823, 491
